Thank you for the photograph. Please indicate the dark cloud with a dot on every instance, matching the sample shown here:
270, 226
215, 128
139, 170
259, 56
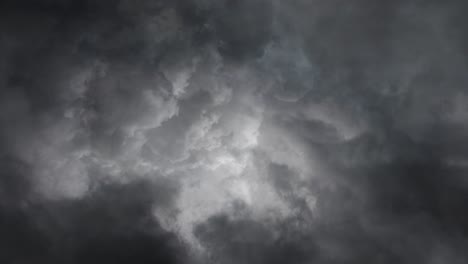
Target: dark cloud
243, 28
395, 193
247, 241
114, 223
233, 131
405, 211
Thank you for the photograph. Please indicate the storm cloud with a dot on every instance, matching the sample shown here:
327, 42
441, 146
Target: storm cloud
233, 131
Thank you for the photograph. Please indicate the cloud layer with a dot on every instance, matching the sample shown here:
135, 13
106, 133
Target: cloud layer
200, 131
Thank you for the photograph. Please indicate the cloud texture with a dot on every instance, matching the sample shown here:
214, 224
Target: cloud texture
233, 131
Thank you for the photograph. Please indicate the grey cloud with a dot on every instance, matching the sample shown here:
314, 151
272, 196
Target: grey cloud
388, 194
252, 242
113, 224
407, 211
233, 131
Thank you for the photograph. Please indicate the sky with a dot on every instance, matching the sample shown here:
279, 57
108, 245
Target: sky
233, 131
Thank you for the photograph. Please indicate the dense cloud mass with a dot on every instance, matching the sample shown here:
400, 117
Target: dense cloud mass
233, 131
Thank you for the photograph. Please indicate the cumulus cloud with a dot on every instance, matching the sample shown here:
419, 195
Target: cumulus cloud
199, 131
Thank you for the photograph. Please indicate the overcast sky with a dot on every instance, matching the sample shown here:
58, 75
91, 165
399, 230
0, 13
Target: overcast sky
233, 131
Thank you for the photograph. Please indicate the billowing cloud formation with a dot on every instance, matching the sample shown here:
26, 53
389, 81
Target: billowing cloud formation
200, 131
